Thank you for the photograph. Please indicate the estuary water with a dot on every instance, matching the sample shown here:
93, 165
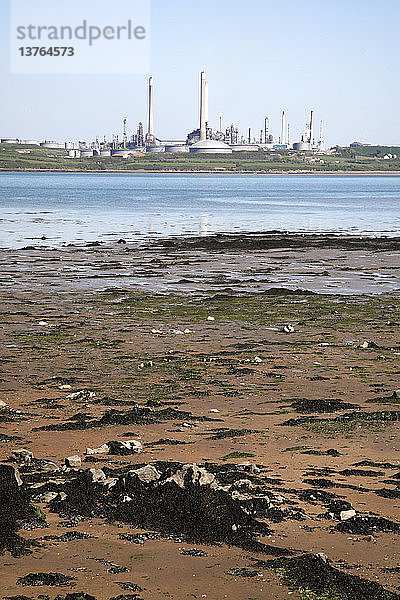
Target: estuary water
52, 210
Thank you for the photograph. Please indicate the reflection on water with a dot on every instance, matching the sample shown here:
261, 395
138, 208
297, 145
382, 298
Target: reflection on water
203, 225
85, 207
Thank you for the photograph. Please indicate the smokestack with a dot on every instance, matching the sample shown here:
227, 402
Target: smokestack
203, 107
249, 135
283, 128
220, 121
125, 136
206, 102
311, 127
266, 127
150, 130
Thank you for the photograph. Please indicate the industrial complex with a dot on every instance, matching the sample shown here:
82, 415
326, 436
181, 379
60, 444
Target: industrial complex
202, 140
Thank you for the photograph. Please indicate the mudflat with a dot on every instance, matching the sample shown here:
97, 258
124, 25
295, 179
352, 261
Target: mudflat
212, 417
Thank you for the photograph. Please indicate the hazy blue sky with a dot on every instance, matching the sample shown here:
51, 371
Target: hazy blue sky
340, 58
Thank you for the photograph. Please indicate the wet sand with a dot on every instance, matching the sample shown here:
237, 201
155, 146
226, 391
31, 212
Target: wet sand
274, 329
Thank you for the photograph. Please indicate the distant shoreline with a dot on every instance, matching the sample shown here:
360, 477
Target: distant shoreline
198, 172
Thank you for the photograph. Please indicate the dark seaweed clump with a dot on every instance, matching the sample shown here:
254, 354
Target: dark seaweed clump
313, 572
50, 579
304, 405
139, 415
365, 525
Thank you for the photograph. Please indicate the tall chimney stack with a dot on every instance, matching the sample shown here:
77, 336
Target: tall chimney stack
150, 130
283, 128
266, 127
203, 106
311, 128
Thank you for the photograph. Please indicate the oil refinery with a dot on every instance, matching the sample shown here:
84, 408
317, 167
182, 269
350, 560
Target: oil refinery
202, 140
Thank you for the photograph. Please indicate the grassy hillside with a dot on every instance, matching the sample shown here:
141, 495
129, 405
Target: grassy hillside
251, 162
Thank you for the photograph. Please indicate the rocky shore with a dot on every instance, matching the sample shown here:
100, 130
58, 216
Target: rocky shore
201, 418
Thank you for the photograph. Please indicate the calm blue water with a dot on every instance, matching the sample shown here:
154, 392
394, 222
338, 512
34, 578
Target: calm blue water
76, 208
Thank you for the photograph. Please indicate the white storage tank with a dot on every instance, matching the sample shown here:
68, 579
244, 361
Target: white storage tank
245, 148
176, 148
302, 146
87, 153
52, 145
154, 148
210, 147
30, 142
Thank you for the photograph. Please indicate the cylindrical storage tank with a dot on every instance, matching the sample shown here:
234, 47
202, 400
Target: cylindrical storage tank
210, 147
244, 148
176, 148
69, 145
88, 153
105, 153
30, 142
9, 141
154, 148
302, 146
53, 145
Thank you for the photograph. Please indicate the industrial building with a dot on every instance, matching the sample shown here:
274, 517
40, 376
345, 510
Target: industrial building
202, 140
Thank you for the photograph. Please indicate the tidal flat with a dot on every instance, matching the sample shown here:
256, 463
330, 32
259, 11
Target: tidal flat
212, 417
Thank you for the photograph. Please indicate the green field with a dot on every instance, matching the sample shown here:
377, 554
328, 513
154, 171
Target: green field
368, 158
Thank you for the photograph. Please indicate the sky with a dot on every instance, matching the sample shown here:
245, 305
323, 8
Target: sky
339, 58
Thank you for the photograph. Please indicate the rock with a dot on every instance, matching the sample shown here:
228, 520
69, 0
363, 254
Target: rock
97, 475
193, 552
23, 456
127, 585
3, 404
81, 395
180, 500
74, 462
213, 410
242, 485
103, 449
396, 395
249, 467
347, 514
210, 319
50, 579
337, 508
287, 329
125, 448
365, 345
146, 474
193, 475
49, 466
47, 497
